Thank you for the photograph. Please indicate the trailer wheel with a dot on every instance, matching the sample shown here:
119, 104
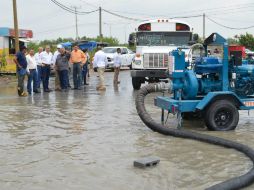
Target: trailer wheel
221, 115
136, 83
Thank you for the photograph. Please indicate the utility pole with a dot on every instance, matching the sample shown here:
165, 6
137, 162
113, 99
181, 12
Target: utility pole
76, 21
204, 26
16, 29
100, 25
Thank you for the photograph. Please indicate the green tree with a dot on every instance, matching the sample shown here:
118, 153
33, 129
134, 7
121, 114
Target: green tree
34, 46
247, 40
233, 41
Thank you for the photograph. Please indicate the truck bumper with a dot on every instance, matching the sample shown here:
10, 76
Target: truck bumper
149, 73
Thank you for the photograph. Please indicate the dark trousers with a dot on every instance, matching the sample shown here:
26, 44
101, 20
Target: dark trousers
84, 73
45, 76
21, 79
76, 75
39, 76
32, 77
63, 76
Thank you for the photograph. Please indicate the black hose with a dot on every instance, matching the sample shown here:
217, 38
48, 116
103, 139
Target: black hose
231, 184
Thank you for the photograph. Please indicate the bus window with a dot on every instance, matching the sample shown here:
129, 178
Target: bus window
182, 27
163, 38
145, 27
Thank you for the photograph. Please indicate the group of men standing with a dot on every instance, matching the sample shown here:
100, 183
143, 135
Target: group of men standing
38, 66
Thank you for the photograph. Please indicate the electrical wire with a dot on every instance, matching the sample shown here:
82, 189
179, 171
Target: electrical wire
232, 28
211, 10
190, 16
90, 4
121, 16
71, 10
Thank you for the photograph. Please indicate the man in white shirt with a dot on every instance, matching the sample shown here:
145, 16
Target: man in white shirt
117, 65
100, 61
57, 80
32, 72
47, 60
37, 57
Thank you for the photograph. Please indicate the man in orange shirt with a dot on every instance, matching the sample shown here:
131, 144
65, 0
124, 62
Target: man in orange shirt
78, 59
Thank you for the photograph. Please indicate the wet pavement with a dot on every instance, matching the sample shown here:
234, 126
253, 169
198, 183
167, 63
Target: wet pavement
88, 140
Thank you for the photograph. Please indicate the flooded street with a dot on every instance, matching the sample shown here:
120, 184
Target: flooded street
88, 140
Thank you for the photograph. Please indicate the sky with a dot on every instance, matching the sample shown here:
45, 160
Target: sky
48, 21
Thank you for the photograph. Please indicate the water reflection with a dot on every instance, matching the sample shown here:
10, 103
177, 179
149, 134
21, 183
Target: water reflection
89, 139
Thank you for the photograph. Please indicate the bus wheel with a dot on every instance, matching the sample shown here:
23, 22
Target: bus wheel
221, 115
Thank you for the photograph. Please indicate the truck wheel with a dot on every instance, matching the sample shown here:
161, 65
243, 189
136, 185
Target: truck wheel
136, 83
221, 115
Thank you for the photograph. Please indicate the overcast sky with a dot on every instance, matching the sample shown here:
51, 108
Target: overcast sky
48, 21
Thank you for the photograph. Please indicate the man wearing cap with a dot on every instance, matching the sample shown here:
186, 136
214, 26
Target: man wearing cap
78, 59
57, 80
47, 60
20, 60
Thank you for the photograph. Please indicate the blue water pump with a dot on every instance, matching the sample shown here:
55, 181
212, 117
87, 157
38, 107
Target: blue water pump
212, 86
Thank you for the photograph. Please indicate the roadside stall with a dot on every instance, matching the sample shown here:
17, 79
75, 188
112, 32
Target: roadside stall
7, 47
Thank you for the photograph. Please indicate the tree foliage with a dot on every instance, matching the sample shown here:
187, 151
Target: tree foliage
53, 43
246, 40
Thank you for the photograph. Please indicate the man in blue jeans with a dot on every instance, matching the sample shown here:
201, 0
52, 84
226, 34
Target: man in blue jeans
32, 73
37, 57
47, 60
62, 67
78, 59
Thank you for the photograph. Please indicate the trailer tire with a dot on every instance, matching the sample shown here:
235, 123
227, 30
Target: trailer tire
221, 115
136, 83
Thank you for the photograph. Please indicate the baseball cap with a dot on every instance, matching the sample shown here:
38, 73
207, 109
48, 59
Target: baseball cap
59, 46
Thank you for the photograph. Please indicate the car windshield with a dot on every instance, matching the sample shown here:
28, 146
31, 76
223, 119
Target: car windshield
163, 38
109, 50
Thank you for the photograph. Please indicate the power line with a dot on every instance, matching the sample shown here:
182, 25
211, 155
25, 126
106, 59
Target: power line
190, 16
211, 10
121, 16
70, 9
90, 4
233, 28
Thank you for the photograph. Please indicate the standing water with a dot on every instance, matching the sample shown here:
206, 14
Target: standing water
88, 140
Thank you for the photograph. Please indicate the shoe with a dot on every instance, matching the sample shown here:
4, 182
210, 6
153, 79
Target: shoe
36, 91
86, 84
23, 94
97, 88
58, 89
102, 88
47, 90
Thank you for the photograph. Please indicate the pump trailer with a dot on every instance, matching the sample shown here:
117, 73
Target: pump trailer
213, 86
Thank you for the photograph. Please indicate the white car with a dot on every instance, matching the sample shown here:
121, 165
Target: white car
127, 56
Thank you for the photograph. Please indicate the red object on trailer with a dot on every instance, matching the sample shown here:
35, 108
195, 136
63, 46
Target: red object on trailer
237, 48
